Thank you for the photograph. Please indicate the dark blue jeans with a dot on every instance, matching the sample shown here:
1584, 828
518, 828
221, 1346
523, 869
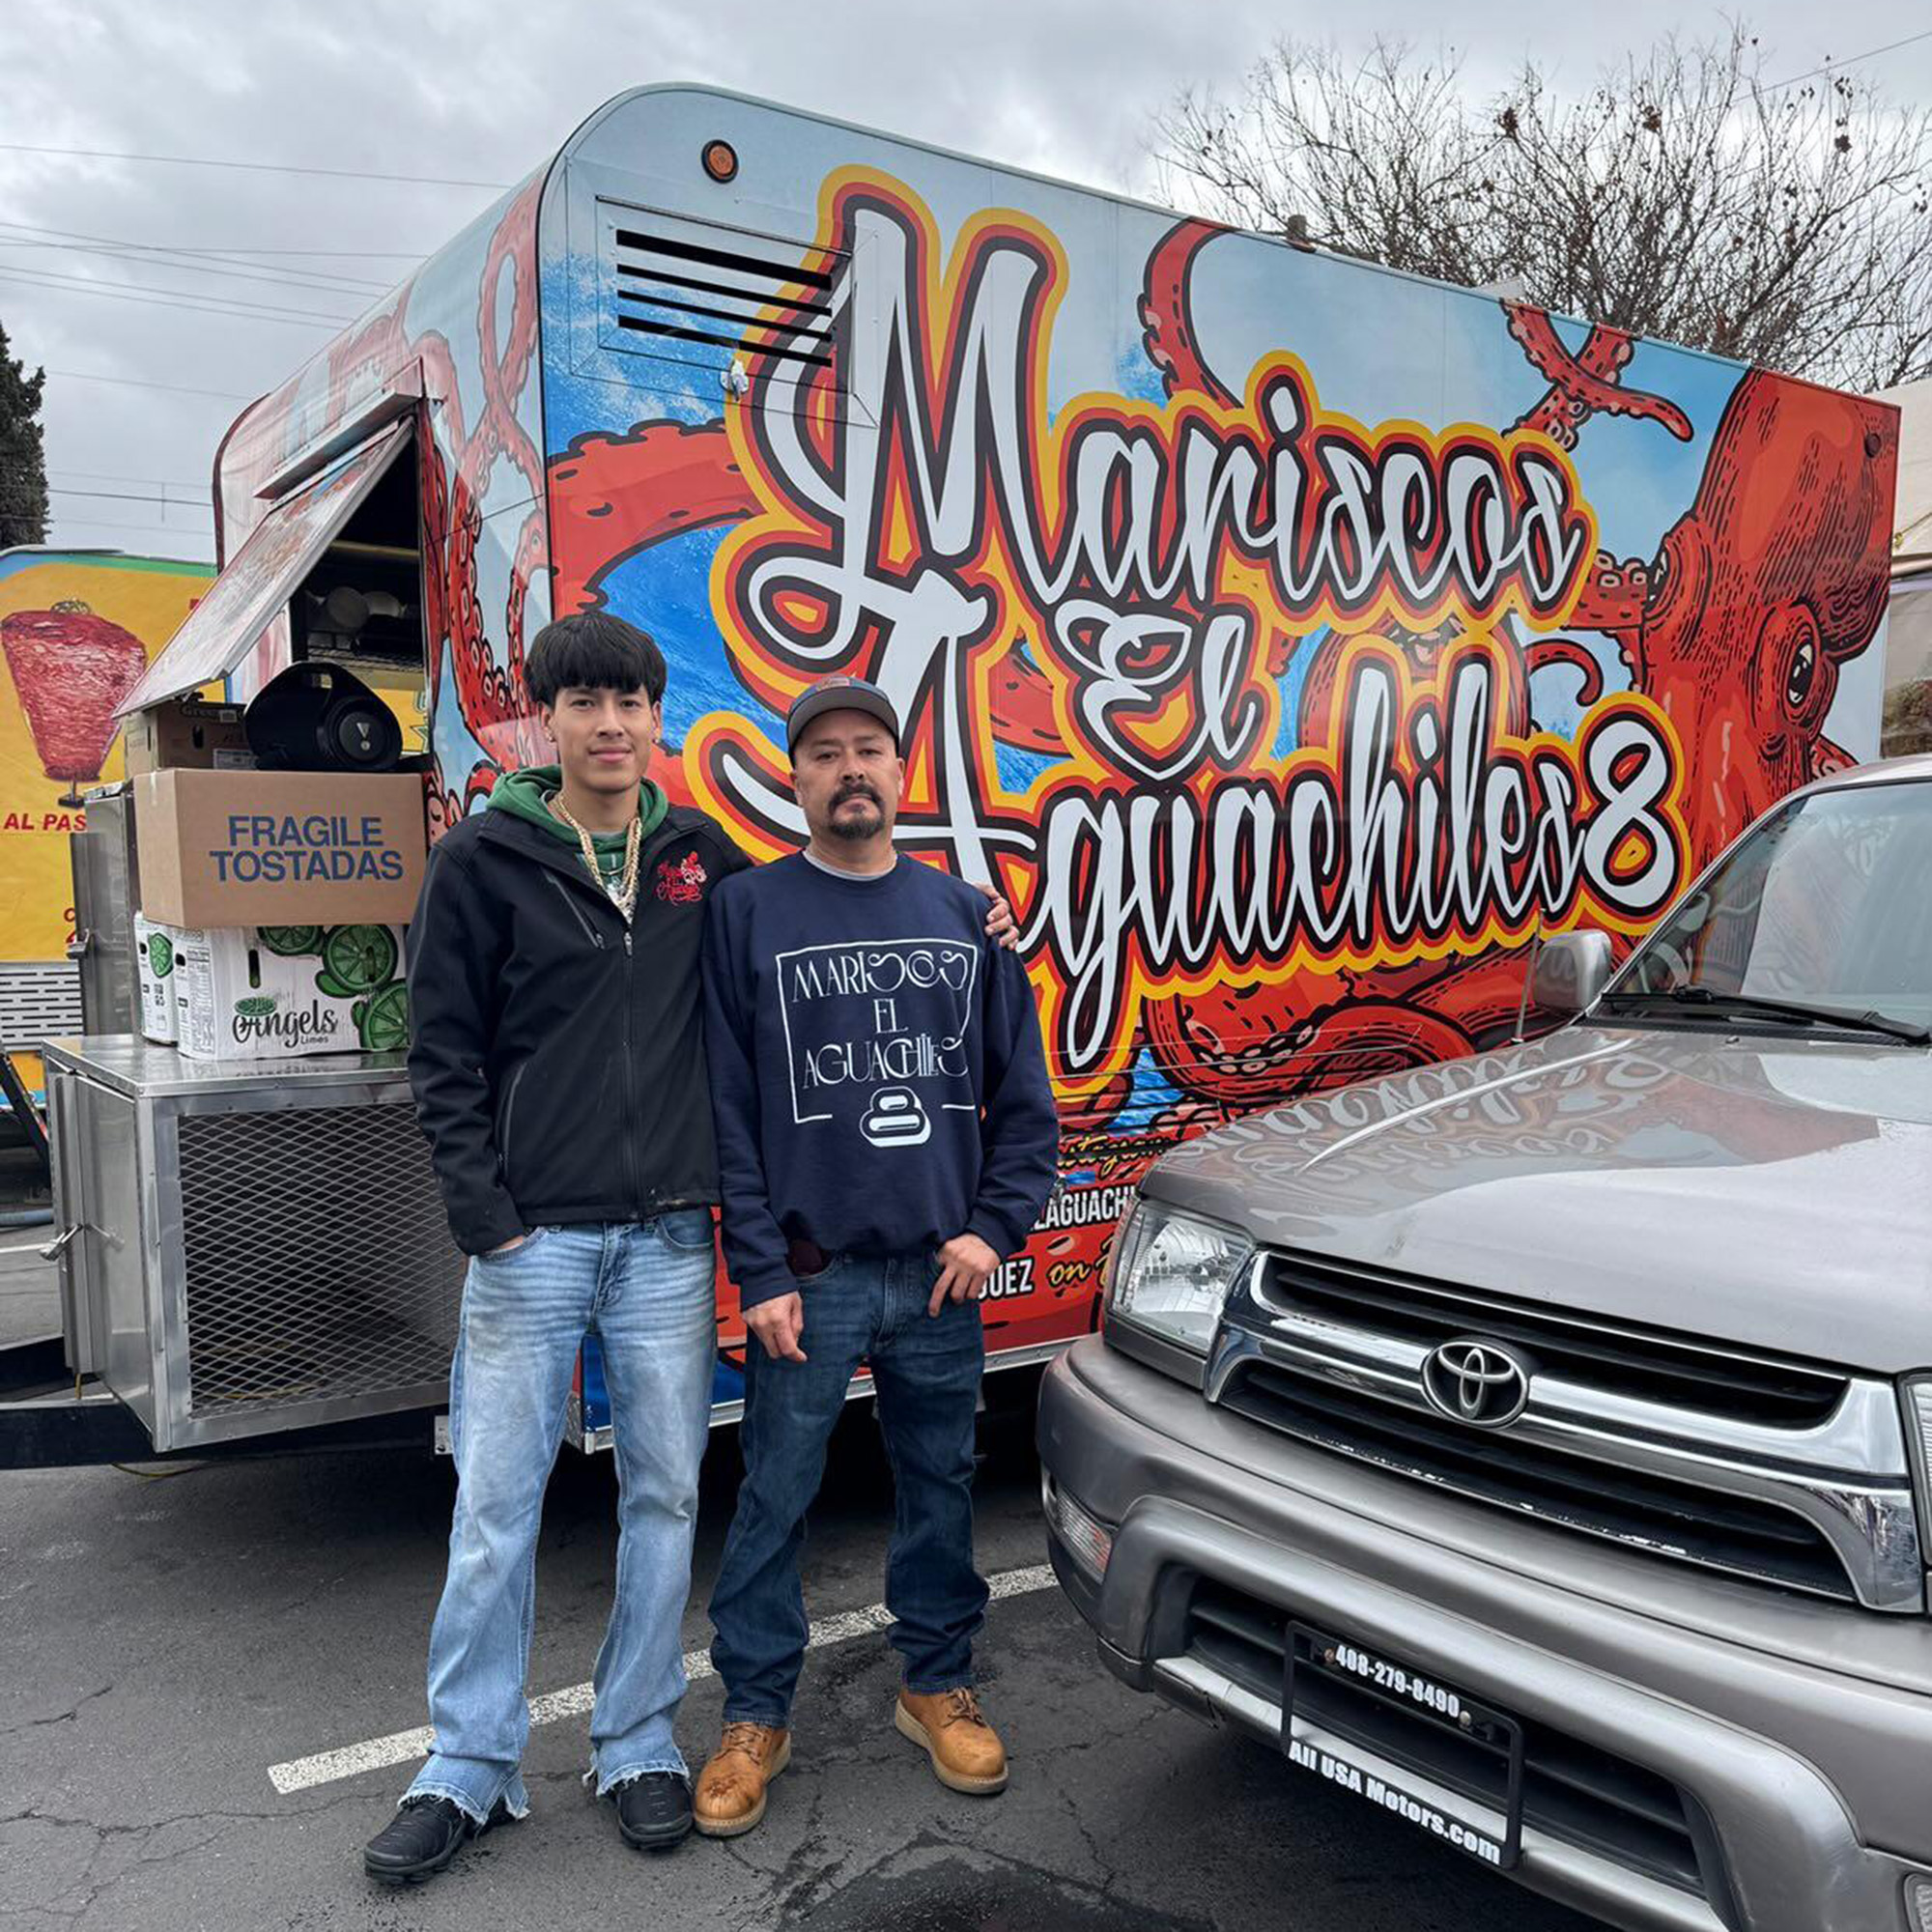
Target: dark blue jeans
926, 1371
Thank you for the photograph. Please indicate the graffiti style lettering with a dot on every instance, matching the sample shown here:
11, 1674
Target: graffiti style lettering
1145, 560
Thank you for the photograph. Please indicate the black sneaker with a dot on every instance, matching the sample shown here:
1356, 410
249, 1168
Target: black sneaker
422, 1839
654, 1810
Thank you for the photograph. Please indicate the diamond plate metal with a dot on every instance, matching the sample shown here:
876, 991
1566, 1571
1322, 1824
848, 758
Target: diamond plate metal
317, 1258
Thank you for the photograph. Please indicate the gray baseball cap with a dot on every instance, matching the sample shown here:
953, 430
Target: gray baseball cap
838, 694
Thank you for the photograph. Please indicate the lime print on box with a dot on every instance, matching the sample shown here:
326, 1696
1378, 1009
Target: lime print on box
1291, 640
290, 940
357, 960
287, 991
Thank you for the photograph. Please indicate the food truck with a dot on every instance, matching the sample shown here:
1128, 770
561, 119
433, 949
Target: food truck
1293, 640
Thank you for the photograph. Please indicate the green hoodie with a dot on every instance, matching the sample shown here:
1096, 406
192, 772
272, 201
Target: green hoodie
527, 794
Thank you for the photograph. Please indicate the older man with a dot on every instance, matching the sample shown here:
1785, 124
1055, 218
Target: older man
886, 1137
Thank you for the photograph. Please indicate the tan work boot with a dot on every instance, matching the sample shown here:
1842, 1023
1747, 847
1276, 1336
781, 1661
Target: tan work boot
966, 1751
729, 1796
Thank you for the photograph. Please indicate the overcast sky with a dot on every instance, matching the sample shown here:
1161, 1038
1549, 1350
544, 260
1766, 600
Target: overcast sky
480, 91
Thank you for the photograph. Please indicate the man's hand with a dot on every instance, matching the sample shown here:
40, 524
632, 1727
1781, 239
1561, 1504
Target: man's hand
966, 1264
779, 1323
1000, 922
509, 1246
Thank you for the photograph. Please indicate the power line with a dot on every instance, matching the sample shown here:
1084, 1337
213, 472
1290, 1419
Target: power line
113, 477
190, 261
226, 254
1838, 67
101, 475
127, 497
99, 283
183, 266
137, 382
166, 299
149, 529
251, 167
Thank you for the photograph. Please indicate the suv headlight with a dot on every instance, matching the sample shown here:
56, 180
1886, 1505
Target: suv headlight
1172, 1275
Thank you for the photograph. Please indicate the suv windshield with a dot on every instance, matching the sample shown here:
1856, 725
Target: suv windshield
1827, 904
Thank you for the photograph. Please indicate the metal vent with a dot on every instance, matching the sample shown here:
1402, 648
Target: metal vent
39, 999
318, 1263
697, 293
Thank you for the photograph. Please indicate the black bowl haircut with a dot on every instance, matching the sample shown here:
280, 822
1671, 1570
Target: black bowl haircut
593, 651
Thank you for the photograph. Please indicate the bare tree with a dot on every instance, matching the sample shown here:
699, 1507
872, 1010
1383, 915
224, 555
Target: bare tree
1680, 198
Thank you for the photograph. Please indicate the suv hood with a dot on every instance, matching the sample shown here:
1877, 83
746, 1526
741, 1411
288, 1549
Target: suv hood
1775, 1193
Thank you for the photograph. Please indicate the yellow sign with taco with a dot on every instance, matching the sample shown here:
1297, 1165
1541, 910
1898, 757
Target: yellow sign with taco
77, 628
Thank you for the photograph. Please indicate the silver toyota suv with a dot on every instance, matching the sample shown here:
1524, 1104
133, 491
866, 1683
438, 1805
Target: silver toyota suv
1539, 1446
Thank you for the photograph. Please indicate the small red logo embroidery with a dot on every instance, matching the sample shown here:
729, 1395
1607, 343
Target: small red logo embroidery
682, 881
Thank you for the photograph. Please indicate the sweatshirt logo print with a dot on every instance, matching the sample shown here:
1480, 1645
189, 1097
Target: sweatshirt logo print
682, 881
876, 1035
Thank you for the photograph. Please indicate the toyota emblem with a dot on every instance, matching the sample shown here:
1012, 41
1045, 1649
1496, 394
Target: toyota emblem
1477, 1381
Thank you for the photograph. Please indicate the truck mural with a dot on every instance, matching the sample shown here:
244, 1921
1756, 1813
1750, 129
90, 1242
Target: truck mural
1293, 640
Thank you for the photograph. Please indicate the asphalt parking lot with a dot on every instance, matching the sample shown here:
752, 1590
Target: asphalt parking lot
167, 1641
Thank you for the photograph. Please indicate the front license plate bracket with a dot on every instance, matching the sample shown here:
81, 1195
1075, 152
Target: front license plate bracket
1310, 1651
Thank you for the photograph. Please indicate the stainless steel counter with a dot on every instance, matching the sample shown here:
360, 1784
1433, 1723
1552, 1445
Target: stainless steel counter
247, 1247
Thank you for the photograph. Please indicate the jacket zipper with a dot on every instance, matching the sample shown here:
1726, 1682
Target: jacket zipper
630, 1095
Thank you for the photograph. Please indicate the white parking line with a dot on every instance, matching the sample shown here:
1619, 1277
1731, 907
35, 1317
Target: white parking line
304, 1773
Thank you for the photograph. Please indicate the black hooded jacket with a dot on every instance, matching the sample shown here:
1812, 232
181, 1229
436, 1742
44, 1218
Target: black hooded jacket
558, 1055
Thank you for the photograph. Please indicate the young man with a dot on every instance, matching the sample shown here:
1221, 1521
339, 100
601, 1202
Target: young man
886, 1138
558, 1063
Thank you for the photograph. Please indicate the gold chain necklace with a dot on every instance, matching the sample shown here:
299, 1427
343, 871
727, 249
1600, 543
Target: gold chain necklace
624, 891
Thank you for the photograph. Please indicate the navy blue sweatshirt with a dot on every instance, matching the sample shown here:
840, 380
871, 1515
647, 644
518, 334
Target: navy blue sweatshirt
877, 1080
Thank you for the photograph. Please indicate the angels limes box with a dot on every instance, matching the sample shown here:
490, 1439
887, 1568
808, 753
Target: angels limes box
283, 992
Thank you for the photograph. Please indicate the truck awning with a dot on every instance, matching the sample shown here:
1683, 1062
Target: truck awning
263, 574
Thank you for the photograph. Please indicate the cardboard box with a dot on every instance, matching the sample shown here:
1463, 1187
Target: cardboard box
189, 734
157, 948
287, 992
280, 848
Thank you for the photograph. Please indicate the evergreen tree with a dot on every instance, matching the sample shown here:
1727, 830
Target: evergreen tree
23, 462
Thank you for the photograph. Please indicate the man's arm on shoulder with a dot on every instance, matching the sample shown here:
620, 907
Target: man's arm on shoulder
454, 953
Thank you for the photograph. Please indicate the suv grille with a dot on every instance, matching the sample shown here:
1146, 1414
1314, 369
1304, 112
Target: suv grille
1572, 1790
1788, 1474
1676, 1519
1632, 1361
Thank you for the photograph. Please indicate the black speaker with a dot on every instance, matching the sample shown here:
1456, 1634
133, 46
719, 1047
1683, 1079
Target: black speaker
320, 718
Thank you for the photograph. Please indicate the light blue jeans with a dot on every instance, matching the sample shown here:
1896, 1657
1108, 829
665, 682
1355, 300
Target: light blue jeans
646, 1290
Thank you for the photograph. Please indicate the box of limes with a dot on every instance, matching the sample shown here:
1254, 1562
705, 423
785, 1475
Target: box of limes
282, 992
